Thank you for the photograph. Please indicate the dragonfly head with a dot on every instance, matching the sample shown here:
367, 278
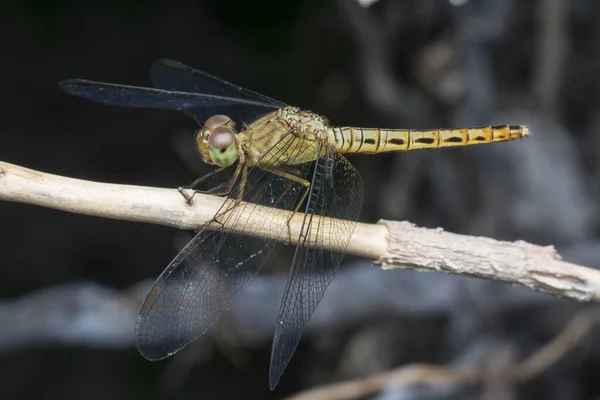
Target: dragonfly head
217, 142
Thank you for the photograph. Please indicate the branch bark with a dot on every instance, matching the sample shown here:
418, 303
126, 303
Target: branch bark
389, 244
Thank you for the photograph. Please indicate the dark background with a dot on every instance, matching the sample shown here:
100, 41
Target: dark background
70, 284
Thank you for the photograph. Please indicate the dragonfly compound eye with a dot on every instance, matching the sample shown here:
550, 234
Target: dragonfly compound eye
222, 147
217, 120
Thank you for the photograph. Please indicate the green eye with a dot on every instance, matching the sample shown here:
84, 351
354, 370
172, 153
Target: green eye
221, 146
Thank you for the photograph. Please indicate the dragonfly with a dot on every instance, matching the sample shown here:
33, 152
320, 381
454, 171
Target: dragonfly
279, 156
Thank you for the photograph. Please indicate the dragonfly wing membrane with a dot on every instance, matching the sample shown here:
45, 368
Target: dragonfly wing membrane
194, 290
135, 96
332, 210
173, 75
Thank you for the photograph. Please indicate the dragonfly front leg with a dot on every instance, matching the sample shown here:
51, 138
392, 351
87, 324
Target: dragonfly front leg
192, 186
217, 191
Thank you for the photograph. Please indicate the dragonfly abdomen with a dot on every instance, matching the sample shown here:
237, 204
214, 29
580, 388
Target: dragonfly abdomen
371, 140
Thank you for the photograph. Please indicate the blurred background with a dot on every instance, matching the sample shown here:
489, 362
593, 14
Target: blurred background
71, 285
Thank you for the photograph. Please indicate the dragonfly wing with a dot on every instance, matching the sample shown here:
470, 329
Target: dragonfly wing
135, 96
197, 286
173, 75
216, 266
336, 193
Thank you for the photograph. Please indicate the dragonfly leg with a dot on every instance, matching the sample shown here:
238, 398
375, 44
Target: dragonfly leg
216, 191
192, 186
293, 176
241, 167
219, 190
188, 198
206, 176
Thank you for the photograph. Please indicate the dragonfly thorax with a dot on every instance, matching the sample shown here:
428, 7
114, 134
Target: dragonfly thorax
304, 124
294, 135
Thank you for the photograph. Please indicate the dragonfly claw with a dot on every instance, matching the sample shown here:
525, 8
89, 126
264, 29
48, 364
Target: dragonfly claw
186, 196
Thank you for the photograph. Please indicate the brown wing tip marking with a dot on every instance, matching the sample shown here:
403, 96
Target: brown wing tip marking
147, 301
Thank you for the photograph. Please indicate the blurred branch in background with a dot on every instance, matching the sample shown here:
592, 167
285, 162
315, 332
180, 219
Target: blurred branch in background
388, 243
422, 374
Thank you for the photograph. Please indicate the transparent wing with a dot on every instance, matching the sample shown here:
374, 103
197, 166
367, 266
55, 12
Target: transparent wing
136, 96
336, 193
181, 88
216, 266
173, 75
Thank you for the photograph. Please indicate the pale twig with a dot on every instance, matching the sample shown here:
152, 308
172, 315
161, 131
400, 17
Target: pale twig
557, 348
413, 374
388, 243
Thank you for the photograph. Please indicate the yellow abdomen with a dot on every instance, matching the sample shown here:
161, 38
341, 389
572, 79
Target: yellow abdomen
371, 141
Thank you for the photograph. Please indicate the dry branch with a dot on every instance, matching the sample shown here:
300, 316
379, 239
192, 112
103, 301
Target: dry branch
389, 244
